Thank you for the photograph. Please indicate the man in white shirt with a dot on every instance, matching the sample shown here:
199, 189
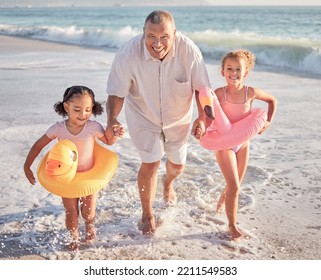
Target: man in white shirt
156, 74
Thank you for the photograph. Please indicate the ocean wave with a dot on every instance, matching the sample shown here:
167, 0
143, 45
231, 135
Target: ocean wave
111, 39
299, 55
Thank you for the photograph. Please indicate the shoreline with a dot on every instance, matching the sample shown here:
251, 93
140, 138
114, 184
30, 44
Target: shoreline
16, 44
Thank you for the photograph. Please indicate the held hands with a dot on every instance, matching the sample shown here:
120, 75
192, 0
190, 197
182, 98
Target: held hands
118, 131
198, 129
114, 131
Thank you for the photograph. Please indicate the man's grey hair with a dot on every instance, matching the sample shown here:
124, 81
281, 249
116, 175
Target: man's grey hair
159, 16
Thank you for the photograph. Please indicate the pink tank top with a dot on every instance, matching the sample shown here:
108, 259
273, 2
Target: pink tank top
84, 141
236, 111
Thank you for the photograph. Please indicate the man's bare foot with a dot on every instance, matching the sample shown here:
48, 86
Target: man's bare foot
90, 232
169, 194
148, 226
234, 232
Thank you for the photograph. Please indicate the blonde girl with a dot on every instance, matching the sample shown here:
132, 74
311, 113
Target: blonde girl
236, 101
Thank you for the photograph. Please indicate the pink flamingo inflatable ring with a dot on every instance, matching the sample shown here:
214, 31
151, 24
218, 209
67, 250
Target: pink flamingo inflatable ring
226, 135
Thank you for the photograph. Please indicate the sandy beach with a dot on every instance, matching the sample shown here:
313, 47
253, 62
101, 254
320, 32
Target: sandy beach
280, 200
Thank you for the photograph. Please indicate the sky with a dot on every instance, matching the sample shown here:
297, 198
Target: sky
266, 2
10, 3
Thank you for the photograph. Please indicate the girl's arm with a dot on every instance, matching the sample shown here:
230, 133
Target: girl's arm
109, 136
272, 105
105, 140
43, 141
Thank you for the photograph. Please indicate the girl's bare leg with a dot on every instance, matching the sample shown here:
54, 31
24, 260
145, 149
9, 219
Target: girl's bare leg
220, 208
233, 167
72, 213
88, 212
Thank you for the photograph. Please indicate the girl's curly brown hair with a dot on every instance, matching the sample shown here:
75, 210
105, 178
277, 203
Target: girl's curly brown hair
78, 90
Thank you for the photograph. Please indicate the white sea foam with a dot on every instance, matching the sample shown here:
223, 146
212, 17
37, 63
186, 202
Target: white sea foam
287, 38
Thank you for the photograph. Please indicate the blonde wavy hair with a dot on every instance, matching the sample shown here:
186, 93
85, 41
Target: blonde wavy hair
248, 56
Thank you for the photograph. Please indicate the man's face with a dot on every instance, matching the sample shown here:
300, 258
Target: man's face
159, 38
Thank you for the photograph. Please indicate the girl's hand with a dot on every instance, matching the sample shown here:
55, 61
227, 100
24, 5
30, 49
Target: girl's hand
119, 131
114, 131
198, 129
30, 176
265, 127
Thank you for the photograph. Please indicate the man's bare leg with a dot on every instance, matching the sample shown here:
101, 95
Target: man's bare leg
172, 172
147, 182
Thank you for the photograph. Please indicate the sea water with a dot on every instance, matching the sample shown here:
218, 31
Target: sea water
286, 38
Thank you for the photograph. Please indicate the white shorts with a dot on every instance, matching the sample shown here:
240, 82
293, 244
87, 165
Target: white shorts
152, 147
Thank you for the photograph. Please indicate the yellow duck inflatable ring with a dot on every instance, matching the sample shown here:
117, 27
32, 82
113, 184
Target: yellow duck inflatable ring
57, 170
